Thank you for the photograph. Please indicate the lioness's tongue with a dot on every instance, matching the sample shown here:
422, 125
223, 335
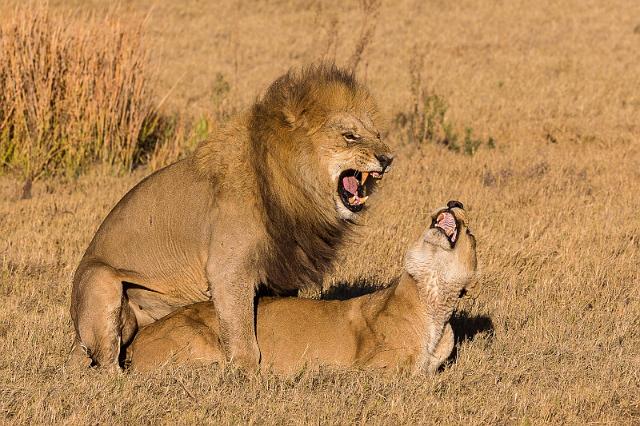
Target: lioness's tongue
447, 222
350, 183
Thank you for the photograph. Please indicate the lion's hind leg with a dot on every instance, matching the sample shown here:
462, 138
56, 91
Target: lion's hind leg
98, 315
78, 358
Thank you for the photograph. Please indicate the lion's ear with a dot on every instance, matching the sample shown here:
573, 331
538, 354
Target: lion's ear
295, 119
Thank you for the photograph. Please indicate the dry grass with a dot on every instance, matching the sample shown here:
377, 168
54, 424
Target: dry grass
553, 335
72, 92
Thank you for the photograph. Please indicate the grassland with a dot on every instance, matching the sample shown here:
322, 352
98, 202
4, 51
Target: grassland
553, 335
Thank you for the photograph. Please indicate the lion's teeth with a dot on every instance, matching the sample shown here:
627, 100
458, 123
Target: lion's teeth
365, 175
356, 200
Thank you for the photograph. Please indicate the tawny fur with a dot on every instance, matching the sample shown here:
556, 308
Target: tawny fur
403, 326
256, 204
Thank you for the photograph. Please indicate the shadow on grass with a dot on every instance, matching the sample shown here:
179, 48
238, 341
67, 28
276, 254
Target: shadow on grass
465, 328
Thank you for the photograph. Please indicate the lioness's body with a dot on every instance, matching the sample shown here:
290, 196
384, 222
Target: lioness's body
377, 330
259, 203
405, 325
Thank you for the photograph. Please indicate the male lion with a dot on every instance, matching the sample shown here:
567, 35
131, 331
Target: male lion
406, 325
266, 201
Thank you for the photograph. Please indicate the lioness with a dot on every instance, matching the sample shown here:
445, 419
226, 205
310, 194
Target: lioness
405, 325
266, 201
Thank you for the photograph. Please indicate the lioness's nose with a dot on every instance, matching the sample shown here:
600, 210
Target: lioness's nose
455, 204
385, 160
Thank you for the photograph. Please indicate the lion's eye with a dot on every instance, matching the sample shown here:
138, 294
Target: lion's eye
350, 136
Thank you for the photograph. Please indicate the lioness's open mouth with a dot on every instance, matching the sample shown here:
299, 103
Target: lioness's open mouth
355, 186
446, 222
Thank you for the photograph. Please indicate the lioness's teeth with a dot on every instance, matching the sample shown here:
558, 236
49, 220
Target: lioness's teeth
352, 199
363, 199
365, 175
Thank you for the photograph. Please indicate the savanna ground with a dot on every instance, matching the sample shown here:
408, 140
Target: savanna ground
553, 334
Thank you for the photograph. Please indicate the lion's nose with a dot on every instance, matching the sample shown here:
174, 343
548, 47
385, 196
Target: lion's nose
385, 160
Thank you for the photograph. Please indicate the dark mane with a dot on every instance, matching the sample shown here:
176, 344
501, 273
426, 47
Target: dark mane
304, 233
311, 92
299, 89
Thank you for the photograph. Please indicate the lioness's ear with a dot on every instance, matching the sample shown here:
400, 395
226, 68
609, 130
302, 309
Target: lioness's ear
295, 119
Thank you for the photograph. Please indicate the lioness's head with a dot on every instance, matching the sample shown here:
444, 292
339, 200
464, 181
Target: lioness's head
324, 138
447, 248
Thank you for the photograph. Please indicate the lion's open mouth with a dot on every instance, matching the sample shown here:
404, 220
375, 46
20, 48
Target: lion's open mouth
446, 222
354, 187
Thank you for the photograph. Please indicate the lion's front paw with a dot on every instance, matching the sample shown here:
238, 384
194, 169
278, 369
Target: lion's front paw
247, 360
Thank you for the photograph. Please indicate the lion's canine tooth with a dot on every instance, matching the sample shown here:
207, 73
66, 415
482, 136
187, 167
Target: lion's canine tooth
365, 175
363, 199
352, 199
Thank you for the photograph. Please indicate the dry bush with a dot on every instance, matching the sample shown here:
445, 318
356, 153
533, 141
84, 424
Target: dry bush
70, 94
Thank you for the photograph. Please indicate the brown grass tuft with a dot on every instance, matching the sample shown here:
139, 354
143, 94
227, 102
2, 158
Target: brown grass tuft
71, 93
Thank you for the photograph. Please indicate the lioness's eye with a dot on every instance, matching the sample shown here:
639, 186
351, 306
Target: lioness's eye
350, 137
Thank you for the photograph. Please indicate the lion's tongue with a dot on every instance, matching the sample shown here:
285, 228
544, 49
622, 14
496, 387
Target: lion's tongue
350, 183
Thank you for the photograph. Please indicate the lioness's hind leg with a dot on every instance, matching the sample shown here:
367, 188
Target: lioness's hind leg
96, 310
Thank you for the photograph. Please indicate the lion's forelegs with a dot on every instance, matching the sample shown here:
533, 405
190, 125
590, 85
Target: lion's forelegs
98, 315
232, 275
234, 305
